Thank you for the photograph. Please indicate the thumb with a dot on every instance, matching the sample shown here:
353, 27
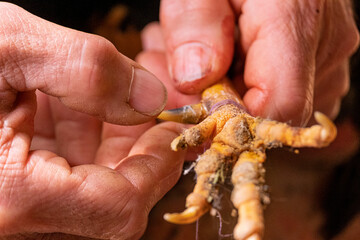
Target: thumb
280, 59
84, 71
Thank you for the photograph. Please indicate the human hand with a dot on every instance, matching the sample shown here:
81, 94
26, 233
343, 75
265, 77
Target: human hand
61, 168
290, 59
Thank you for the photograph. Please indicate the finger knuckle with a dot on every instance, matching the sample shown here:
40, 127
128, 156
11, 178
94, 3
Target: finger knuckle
15, 43
133, 220
96, 55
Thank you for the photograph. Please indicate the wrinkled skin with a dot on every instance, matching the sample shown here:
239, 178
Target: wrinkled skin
62, 188
239, 142
290, 58
66, 166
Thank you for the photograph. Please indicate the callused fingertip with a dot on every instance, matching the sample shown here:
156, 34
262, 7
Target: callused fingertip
191, 62
147, 94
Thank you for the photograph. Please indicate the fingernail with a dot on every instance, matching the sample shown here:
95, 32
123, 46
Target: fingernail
147, 93
191, 61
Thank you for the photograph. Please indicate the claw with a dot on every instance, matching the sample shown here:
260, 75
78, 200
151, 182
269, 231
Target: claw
328, 132
236, 137
190, 215
320, 135
178, 143
255, 236
191, 114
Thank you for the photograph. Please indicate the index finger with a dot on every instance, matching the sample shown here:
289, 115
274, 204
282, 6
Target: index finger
199, 38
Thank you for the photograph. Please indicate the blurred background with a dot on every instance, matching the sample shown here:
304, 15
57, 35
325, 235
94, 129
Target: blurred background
310, 199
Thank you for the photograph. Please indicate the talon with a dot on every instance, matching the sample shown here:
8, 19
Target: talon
190, 215
328, 133
255, 236
177, 143
191, 114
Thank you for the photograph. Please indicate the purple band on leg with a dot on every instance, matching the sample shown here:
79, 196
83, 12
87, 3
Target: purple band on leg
226, 102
